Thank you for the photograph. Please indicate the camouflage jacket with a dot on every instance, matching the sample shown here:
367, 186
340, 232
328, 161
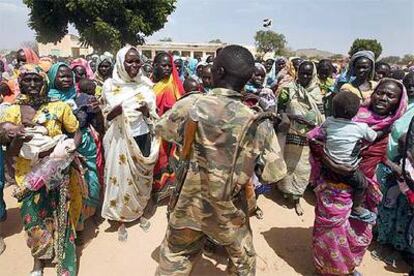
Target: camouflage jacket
206, 200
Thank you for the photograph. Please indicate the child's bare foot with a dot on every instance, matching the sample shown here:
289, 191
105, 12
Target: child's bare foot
298, 208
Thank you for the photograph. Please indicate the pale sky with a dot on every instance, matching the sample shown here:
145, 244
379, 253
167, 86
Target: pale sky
329, 25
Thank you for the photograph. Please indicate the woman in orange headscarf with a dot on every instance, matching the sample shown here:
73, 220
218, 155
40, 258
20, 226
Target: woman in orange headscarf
168, 89
27, 55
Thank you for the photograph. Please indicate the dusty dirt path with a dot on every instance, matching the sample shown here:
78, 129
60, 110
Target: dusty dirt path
282, 242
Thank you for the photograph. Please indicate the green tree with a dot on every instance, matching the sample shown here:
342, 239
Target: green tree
269, 41
217, 40
366, 44
407, 59
103, 24
391, 59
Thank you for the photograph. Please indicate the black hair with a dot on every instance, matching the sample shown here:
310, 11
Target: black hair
238, 64
206, 66
398, 74
345, 105
409, 76
160, 55
304, 63
86, 85
381, 63
325, 63
189, 85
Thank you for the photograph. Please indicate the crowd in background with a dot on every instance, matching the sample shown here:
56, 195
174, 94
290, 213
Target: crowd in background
78, 142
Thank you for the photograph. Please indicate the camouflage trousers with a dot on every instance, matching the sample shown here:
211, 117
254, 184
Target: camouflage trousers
181, 246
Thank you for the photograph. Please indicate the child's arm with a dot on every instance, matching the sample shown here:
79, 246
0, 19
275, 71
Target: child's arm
382, 133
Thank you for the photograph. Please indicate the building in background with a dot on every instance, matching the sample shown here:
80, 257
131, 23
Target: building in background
194, 50
69, 46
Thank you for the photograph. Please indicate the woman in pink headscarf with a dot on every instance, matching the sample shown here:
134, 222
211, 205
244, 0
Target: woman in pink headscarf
82, 70
340, 242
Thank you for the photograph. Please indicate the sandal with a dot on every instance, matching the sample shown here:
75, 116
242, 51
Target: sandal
367, 216
36, 273
144, 224
258, 213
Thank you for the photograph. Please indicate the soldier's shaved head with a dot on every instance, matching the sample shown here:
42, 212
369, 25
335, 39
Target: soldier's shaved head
233, 67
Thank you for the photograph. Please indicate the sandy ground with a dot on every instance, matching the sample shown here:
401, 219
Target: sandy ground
282, 242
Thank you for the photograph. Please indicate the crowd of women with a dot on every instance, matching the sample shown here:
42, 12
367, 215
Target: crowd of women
78, 142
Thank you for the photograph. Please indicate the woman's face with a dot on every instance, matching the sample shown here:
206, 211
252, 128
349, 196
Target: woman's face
409, 85
268, 65
20, 56
64, 78
105, 69
362, 68
324, 72
305, 74
386, 98
178, 64
132, 63
80, 73
280, 64
31, 84
163, 68
258, 76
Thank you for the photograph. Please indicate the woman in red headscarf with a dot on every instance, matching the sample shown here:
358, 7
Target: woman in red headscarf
168, 89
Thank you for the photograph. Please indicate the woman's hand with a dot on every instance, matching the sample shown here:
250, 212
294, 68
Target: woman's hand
115, 112
94, 105
144, 110
17, 143
77, 138
302, 120
284, 123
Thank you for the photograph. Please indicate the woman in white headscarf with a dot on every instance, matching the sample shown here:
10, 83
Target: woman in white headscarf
130, 148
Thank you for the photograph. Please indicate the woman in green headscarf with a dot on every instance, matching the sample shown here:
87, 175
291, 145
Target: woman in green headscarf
62, 88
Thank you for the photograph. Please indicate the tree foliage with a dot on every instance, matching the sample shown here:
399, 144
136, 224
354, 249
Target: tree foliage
407, 59
366, 44
269, 41
103, 24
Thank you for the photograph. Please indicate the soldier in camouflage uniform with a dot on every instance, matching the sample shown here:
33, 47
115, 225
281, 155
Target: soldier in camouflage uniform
210, 204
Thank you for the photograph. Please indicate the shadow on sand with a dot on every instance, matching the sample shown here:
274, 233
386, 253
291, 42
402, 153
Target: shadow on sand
13, 224
293, 245
214, 265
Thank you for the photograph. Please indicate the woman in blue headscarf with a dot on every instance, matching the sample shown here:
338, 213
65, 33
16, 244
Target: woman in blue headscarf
62, 88
360, 75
